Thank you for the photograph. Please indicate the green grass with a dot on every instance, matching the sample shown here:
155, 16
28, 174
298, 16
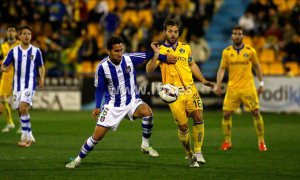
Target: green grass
59, 135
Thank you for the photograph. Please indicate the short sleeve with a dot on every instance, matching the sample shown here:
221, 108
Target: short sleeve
39, 58
224, 60
254, 58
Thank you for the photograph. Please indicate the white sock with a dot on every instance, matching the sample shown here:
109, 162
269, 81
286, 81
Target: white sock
78, 159
145, 142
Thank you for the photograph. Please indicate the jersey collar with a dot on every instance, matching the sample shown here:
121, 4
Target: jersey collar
166, 45
238, 50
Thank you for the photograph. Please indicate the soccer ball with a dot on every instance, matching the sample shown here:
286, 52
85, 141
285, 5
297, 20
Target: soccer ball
168, 93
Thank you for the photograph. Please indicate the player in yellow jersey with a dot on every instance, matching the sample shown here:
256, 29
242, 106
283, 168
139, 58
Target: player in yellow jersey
181, 75
239, 59
7, 78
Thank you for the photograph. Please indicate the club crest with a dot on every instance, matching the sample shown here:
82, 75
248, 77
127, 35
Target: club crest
181, 50
128, 69
246, 55
31, 57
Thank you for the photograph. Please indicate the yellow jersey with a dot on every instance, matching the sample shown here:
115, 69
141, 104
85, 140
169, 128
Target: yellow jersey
4, 49
239, 64
179, 74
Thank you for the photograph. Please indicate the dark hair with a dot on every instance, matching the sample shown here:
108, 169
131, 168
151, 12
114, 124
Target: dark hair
239, 27
24, 27
172, 22
12, 26
113, 40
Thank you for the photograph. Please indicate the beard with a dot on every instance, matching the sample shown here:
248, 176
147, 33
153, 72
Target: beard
238, 43
170, 42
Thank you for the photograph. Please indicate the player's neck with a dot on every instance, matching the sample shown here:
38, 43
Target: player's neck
11, 41
174, 44
25, 46
238, 46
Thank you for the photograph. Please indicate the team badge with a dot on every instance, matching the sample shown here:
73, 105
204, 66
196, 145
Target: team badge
128, 69
246, 55
31, 57
231, 55
102, 118
181, 50
168, 51
96, 80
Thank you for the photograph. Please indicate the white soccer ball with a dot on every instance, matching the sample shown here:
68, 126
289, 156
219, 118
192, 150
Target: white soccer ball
168, 93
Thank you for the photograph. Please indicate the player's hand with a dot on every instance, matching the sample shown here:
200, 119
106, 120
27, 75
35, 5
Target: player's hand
41, 83
171, 59
95, 114
155, 47
209, 84
260, 90
218, 91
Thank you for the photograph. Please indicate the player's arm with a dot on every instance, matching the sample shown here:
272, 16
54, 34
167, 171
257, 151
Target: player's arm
7, 61
99, 84
221, 72
40, 63
260, 78
151, 65
197, 73
220, 77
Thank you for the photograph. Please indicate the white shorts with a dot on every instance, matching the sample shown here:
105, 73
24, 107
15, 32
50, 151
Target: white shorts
111, 117
23, 96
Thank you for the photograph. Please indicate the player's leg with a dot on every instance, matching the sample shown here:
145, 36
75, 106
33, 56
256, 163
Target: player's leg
145, 113
88, 146
26, 138
5, 108
259, 127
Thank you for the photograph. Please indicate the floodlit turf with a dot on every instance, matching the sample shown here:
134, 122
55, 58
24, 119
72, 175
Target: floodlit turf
59, 135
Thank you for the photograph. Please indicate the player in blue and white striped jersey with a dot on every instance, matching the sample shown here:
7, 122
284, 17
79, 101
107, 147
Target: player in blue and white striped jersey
25, 58
116, 76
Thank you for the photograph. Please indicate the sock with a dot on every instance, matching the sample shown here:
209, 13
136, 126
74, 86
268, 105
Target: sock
147, 125
87, 147
185, 139
7, 112
25, 123
259, 127
227, 125
198, 135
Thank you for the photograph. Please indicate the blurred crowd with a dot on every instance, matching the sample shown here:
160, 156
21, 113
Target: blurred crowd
72, 33
273, 28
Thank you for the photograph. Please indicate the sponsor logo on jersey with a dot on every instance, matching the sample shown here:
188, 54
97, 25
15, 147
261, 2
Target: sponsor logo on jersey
27, 94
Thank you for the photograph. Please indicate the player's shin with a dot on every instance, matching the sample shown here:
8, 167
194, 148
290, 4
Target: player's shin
86, 148
198, 135
26, 125
7, 112
259, 127
185, 139
147, 125
227, 125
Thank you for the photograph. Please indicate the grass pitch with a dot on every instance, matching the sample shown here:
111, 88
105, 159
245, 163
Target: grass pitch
60, 135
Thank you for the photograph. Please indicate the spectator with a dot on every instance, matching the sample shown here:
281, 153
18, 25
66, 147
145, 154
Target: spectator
80, 12
52, 59
247, 22
293, 51
255, 7
88, 50
273, 36
110, 23
57, 11
100, 10
200, 49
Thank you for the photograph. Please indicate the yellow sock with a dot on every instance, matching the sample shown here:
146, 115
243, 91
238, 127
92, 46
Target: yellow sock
227, 125
259, 127
185, 139
198, 136
7, 112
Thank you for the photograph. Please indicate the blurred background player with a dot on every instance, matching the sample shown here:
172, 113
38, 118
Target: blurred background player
239, 59
25, 58
7, 77
116, 75
181, 75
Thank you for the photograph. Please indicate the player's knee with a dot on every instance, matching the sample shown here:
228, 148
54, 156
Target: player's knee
147, 112
255, 113
183, 128
226, 115
23, 111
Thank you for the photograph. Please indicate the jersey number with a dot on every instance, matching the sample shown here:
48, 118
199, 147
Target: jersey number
104, 113
198, 103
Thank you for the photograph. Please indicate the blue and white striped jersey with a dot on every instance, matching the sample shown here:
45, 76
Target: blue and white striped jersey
25, 63
118, 81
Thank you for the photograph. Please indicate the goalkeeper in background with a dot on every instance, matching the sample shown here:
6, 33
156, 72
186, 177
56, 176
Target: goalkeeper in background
189, 103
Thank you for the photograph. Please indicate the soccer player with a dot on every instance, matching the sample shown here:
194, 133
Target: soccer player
25, 59
7, 78
116, 76
239, 59
181, 75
